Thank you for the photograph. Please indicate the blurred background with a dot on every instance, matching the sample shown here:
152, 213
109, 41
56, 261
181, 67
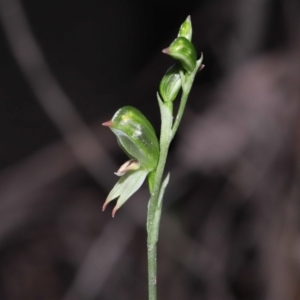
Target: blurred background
230, 227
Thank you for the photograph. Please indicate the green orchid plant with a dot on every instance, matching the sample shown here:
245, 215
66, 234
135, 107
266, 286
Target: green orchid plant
137, 138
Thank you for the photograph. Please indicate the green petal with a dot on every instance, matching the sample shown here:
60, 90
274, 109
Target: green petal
126, 186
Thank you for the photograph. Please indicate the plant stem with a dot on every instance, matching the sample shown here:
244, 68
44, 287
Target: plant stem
155, 202
186, 88
154, 206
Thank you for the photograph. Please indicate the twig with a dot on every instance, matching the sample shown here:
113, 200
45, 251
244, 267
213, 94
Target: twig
49, 94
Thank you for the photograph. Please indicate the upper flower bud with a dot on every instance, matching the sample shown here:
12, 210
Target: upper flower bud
186, 29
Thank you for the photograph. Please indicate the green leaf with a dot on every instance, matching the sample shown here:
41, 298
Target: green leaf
126, 186
166, 120
162, 189
151, 178
158, 209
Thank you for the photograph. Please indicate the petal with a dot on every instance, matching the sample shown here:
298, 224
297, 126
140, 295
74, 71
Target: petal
129, 165
126, 186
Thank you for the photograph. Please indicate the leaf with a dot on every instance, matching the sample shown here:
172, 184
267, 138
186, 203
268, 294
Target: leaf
162, 189
166, 120
157, 214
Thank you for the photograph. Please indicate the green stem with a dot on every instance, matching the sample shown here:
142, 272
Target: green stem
186, 88
155, 202
154, 206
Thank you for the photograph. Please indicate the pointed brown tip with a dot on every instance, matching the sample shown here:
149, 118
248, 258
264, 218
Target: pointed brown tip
201, 67
104, 206
108, 123
166, 50
188, 18
114, 211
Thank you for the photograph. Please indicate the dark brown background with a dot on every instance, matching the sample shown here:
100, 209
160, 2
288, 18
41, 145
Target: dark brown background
230, 224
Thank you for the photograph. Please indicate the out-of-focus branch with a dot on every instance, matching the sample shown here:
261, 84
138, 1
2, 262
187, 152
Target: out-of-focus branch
102, 255
49, 94
75, 132
251, 21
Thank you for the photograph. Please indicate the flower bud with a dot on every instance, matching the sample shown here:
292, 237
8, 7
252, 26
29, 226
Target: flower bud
170, 84
184, 51
136, 136
185, 29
